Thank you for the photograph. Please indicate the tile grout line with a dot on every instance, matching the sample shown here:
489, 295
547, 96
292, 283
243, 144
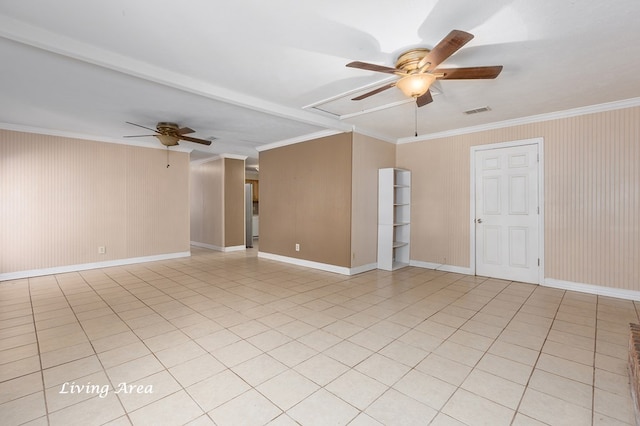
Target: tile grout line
533, 367
593, 377
88, 339
35, 331
168, 278
494, 341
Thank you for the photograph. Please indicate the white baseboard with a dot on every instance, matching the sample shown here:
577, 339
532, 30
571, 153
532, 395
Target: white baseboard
317, 265
363, 268
599, 290
441, 267
86, 266
218, 248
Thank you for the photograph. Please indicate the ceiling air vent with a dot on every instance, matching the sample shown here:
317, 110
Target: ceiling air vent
477, 110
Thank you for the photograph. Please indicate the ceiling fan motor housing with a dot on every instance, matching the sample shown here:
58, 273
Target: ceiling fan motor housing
169, 135
167, 128
408, 61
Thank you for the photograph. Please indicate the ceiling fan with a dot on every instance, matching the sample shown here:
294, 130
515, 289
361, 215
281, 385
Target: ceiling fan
417, 69
170, 133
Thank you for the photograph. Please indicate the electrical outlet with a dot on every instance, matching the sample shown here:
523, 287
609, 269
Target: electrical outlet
102, 250
297, 247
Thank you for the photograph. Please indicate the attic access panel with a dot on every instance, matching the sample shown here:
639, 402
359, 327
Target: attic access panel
343, 107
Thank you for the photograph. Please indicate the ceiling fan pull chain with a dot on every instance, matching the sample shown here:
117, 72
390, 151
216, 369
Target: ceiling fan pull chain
416, 118
167, 157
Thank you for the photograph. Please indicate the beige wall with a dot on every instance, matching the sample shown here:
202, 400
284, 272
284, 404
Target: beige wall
62, 198
369, 155
207, 201
234, 212
591, 195
305, 198
217, 203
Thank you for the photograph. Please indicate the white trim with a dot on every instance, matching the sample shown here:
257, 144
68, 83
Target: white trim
218, 157
592, 289
94, 265
363, 268
441, 267
317, 106
234, 156
377, 108
309, 264
597, 290
218, 248
592, 109
196, 163
298, 139
472, 204
376, 84
541, 205
365, 132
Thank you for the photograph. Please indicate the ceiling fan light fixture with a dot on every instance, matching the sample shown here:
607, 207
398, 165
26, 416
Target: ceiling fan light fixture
415, 85
168, 140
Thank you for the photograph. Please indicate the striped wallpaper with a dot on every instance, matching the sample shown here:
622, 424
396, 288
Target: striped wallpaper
591, 195
62, 198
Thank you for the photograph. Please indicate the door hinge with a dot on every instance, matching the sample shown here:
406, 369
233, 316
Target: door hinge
538, 261
538, 158
538, 209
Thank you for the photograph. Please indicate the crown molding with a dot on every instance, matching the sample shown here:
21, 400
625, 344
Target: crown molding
298, 139
202, 161
591, 109
218, 157
374, 135
234, 156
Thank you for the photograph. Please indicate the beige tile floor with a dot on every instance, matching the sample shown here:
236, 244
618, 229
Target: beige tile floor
230, 339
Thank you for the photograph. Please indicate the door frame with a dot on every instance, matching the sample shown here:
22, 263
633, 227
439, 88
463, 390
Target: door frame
472, 211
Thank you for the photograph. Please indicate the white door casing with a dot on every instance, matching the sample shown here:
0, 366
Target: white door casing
506, 216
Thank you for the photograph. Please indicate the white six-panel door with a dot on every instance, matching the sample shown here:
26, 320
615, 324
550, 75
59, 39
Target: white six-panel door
507, 213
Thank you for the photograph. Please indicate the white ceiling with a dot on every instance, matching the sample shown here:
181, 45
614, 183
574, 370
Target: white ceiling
252, 73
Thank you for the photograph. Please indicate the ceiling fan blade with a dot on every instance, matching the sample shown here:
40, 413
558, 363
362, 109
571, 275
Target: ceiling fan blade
148, 128
468, 73
373, 92
185, 130
196, 140
424, 99
447, 47
138, 136
372, 67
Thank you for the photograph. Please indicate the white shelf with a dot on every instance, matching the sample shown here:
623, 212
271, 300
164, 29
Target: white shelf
398, 265
397, 244
394, 218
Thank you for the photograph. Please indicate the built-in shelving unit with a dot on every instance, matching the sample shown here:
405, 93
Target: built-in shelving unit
394, 218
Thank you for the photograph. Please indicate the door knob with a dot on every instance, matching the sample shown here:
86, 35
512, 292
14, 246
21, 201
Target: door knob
478, 220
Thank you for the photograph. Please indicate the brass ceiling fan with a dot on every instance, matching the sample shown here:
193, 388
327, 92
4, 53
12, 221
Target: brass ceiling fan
170, 133
418, 69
